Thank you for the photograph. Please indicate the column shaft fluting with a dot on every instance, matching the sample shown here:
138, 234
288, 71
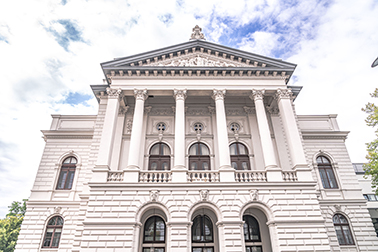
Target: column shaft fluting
179, 159
223, 148
265, 136
108, 131
136, 131
290, 126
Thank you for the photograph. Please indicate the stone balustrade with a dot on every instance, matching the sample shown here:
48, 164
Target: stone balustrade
203, 176
289, 176
250, 176
115, 176
155, 176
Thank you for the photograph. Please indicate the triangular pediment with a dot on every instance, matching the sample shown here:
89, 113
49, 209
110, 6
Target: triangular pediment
197, 55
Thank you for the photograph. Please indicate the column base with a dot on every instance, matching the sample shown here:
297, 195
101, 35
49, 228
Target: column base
303, 173
131, 175
226, 174
100, 174
179, 174
273, 174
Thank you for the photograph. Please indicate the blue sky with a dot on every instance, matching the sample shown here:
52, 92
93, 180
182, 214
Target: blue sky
51, 52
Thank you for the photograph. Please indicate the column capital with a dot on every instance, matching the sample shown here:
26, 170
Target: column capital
257, 94
114, 93
219, 94
283, 94
179, 94
140, 94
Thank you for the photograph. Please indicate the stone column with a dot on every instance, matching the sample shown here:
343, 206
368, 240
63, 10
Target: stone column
273, 172
132, 169
226, 172
179, 170
107, 136
293, 138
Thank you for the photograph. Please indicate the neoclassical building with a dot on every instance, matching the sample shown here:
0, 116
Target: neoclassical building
196, 147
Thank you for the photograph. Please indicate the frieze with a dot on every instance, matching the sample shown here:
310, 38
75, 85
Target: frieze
235, 112
198, 112
162, 112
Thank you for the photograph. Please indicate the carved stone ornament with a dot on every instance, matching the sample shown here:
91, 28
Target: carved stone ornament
198, 60
273, 110
219, 94
337, 207
204, 194
154, 195
257, 94
140, 94
123, 110
284, 94
113, 93
57, 210
197, 33
254, 194
211, 110
147, 110
179, 94
248, 110
129, 126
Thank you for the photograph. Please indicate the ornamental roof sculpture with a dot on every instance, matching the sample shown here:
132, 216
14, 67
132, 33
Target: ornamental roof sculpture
197, 34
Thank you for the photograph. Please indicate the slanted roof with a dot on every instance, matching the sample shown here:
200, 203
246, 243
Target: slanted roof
199, 57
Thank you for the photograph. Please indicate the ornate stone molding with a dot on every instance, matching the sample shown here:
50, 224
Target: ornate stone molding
257, 94
219, 94
140, 94
114, 93
198, 60
179, 94
283, 94
197, 111
129, 126
162, 111
197, 33
154, 195
57, 210
211, 110
248, 110
147, 110
273, 110
204, 195
234, 112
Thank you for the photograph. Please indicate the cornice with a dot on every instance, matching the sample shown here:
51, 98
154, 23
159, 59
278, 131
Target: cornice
67, 134
325, 134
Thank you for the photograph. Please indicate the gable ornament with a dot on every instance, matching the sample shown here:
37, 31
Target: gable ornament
197, 33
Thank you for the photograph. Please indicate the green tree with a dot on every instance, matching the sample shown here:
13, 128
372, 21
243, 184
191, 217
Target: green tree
11, 225
371, 168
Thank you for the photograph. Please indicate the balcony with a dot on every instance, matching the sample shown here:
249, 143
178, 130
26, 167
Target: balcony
202, 176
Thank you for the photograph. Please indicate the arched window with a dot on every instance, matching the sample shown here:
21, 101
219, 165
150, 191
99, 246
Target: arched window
252, 236
326, 173
154, 235
202, 234
239, 157
160, 157
53, 232
67, 174
344, 236
199, 157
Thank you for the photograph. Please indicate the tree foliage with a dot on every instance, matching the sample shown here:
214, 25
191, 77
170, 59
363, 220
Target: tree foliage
11, 225
371, 168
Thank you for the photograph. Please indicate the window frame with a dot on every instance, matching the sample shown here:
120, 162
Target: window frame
250, 242
240, 158
202, 244
154, 244
199, 159
343, 226
53, 233
159, 159
322, 170
67, 167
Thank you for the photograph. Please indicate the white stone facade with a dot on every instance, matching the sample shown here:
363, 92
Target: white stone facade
114, 191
